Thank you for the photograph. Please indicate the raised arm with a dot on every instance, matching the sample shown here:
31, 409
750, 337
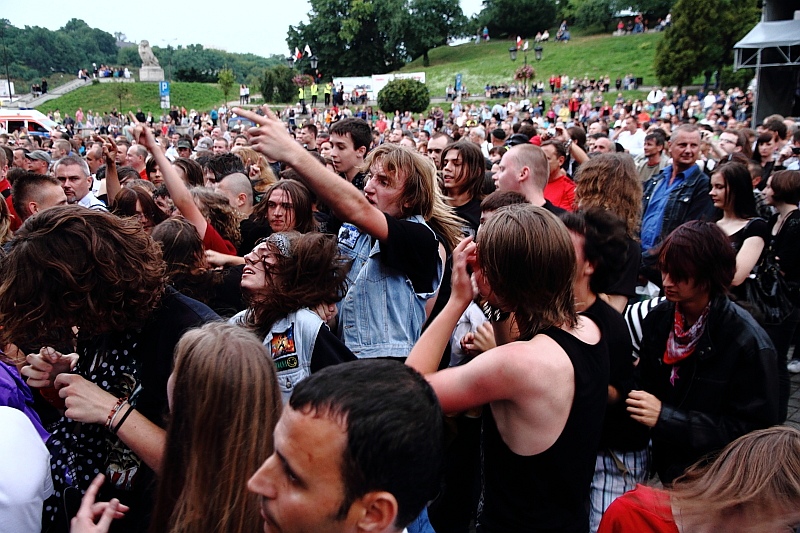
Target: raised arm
178, 191
427, 352
350, 205
113, 185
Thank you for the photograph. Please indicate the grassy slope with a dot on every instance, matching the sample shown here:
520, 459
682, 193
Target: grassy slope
479, 64
595, 55
101, 97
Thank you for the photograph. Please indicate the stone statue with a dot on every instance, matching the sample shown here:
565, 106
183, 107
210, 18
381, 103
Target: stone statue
146, 53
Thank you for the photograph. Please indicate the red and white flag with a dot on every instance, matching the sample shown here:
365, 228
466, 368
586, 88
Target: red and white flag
297, 53
525, 47
307, 50
519, 42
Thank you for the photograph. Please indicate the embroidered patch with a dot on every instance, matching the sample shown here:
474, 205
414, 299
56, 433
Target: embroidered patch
286, 363
348, 235
282, 344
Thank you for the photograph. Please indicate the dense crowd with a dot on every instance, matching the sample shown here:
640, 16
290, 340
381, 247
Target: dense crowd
506, 316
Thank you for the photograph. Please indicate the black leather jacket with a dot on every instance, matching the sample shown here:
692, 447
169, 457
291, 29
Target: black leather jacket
726, 388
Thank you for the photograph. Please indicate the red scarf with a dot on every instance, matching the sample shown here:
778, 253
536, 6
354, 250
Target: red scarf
681, 343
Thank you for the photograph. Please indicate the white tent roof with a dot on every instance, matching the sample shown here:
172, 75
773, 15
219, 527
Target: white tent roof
772, 34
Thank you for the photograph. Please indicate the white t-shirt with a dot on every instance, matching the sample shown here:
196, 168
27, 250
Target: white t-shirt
25, 480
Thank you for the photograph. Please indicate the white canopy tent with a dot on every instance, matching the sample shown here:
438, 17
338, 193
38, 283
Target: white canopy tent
769, 44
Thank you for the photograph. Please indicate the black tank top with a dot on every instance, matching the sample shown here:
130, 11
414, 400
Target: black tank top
548, 491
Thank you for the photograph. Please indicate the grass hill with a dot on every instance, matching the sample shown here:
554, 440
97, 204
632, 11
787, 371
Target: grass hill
103, 97
595, 55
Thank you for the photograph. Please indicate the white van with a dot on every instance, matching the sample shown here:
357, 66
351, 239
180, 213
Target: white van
31, 121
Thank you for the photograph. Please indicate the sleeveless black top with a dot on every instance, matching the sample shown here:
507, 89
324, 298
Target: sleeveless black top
548, 491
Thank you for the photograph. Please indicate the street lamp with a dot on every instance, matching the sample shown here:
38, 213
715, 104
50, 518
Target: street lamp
513, 53
290, 61
314, 61
537, 50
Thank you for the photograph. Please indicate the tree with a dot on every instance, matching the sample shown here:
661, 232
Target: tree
266, 85
405, 95
121, 91
226, 81
435, 22
517, 17
701, 38
596, 13
362, 37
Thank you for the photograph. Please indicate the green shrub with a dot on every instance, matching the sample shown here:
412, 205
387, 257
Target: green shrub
404, 95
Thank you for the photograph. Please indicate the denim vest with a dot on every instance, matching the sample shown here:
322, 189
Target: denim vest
381, 315
291, 343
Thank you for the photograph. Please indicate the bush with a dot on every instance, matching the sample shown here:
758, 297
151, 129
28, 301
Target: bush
404, 95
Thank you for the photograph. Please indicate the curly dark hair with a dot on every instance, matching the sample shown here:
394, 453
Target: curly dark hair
218, 211
71, 266
314, 273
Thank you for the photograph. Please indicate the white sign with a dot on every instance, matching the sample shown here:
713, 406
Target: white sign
4, 89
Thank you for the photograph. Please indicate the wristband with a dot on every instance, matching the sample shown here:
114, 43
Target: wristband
115, 410
122, 420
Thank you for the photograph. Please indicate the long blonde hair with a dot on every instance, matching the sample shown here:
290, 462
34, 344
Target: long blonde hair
610, 181
420, 195
758, 473
225, 406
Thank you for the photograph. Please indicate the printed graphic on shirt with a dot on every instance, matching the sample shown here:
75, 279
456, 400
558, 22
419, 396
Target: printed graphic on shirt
348, 235
283, 351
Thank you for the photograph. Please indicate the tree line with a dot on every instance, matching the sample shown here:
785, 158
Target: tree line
34, 52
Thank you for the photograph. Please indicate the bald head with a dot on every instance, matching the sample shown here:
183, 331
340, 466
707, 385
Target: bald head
238, 190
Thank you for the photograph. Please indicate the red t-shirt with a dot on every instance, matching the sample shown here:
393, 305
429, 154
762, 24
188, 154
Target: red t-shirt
214, 241
14, 219
643, 509
561, 192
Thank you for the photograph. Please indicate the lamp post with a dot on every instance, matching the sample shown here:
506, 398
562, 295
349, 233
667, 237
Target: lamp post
512, 52
290, 61
537, 51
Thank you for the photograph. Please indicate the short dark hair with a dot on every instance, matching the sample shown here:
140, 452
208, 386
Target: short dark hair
605, 244
311, 127
659, 139
359, 130
778, 126
499, 199
499, 134
27, 187
192, 170
225, 164
558, 146
785, 186
701, 252
394, 430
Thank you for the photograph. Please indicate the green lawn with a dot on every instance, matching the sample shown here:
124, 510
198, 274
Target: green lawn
484, 63
101, 97
595, 55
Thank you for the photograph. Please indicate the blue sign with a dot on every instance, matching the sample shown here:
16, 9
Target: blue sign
458, 83
163, 88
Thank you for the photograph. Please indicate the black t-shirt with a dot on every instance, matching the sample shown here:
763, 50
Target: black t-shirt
756, 227
620, 431
412, 249
329, 350
252, 231
470, 212
625, 285
552, 208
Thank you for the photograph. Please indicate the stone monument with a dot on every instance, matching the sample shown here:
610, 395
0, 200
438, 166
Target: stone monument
151, 70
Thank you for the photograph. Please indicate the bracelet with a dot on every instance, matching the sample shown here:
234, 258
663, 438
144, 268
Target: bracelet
111, 422
122, 420
493, 314
115, 410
